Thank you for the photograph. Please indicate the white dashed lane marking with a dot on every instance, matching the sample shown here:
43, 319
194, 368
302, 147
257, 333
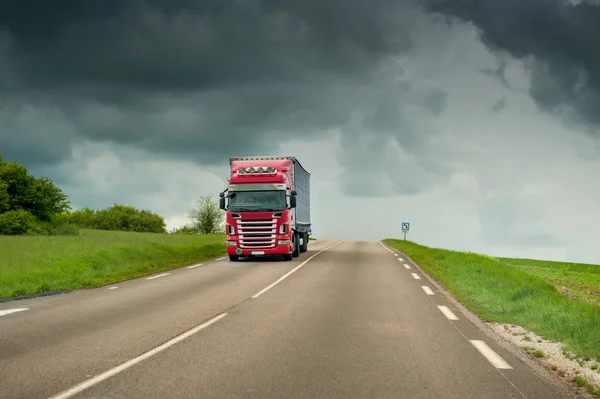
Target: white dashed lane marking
490, 355
448, 313
157, 276
416, 276
11, 311
427, 290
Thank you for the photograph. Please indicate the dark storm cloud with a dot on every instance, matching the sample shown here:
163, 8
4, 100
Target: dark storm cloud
198, 79
559, 39
195, 45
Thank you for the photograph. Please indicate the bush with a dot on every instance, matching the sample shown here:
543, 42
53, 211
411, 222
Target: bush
186, 229
119, 218
20, 222
61, 224
31, 205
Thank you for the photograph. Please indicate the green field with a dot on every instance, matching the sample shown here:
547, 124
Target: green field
521, 292
40, 264
574, 280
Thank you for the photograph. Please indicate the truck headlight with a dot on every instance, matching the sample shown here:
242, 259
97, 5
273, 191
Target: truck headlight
231, 243
284, 242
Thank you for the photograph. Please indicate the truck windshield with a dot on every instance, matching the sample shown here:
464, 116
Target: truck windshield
257, 201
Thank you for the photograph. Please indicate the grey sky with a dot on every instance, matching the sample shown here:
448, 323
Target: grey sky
480, 126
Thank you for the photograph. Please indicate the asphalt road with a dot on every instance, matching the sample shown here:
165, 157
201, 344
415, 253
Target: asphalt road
350, 322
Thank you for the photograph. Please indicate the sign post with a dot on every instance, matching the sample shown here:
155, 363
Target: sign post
405, 228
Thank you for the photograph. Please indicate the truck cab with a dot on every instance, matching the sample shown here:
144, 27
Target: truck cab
261, 203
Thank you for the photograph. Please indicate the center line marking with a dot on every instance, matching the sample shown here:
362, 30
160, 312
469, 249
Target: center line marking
490, 355
427, 290
9, 311
123, 366
292, 271
416, 276
406, 266
196, 265
448, 313
157, 276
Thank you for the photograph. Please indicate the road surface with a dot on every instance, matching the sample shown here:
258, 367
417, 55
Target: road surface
348, 320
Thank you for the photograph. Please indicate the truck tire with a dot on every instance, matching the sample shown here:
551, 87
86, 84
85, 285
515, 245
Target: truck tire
304, 246
296, 252
234, 258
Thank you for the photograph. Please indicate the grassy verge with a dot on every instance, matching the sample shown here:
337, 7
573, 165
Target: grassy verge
35, 264
576, 281
500, 292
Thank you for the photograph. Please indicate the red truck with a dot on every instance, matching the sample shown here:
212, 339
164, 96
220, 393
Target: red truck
267, 205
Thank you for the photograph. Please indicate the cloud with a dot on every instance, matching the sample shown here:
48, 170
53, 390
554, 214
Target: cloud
196, 79
558, 41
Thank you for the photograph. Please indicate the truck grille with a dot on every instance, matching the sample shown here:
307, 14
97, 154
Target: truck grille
260, 233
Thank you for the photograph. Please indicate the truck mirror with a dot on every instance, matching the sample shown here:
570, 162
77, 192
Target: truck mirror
222, 203
294, 193
292, 202
221, 194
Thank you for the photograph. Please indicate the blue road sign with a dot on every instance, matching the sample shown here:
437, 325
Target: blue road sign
405, 226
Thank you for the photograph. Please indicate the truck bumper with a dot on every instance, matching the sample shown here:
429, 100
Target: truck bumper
234, 249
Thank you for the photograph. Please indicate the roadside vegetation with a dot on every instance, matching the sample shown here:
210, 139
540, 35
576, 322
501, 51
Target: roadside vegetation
46, 246
576, 281
516, 292
36, 265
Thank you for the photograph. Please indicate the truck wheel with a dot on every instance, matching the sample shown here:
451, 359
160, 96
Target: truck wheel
234, 258
296, 252
304, 246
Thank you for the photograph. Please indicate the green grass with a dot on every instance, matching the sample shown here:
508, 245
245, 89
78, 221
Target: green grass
498, 291
37, 264
577, 281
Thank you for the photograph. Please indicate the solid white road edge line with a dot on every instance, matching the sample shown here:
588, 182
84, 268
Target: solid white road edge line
427, 290
416, 276
123, 366
448, 313
490, 355
259, 293
157, 276
407, 266
196, 265
10, 311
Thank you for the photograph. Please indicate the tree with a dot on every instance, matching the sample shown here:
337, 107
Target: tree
40, 196
4, 197
29, 204
206, 216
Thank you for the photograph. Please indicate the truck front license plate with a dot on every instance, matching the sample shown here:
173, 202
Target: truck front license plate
257, 252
